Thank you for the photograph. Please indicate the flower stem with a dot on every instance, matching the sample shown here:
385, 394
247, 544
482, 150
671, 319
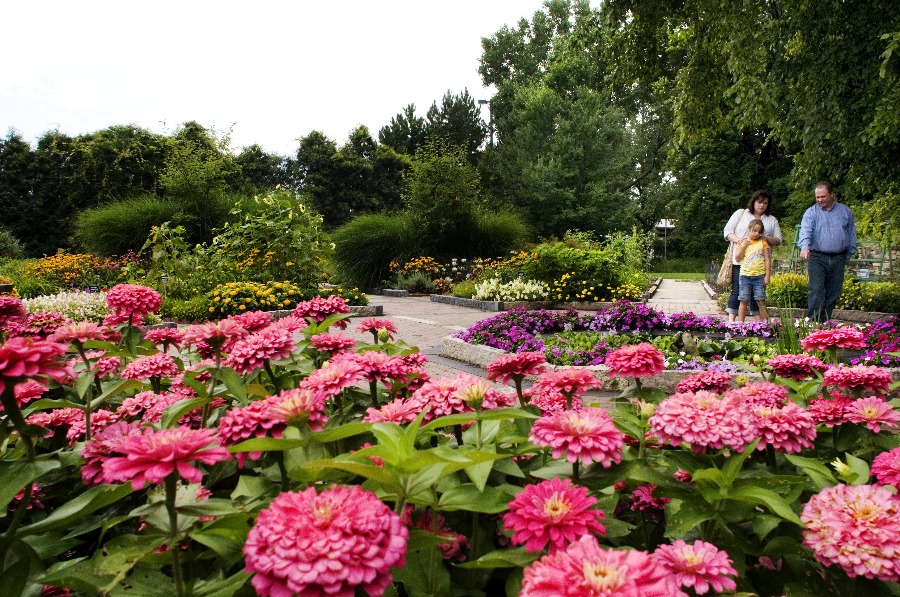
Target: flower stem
174, 546
373, 390
11, 408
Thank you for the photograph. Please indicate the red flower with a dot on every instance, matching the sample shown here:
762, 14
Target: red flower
306, 543
154, 455
332, 342
132, 299
318, 309
859, 379
762, 394
165, 337
552, 512
80, 332
10, 307
886, 468
252, 321
845, 337
635, 360
787, 429
252, 352
399, 411
642, 499
704, 420
587, 434
374, 325
829, 411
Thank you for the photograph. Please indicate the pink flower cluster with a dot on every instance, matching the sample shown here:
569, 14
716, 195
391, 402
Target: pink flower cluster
705, 420
796, 366
23, 358
587, 434
787, 428
886, 468
132, 299
155, 365
516, 366
843, 337
635, 360
552, 512
856, 527
698, 566
376, 326
713, 381
318, 309
859, 379
554, 389
328, 543
253, 351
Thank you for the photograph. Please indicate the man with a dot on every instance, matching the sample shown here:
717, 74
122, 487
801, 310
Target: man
827, 240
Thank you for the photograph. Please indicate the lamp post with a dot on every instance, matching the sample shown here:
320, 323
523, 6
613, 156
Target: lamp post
490, 105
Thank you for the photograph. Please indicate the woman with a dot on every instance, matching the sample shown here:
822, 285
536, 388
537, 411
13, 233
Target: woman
759, 206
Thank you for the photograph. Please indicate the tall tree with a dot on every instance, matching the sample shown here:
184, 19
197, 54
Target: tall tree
260, 171
458, 121
16, 193
405, 133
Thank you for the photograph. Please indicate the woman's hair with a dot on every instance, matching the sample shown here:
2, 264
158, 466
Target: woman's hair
760, 194
754, 223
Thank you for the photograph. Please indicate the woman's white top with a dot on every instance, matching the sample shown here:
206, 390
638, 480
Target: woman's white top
740, 221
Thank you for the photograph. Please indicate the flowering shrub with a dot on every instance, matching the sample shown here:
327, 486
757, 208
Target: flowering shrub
75, 305
493, 289
241, 461
240, 297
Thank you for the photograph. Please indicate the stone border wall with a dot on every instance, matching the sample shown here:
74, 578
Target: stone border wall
509, 305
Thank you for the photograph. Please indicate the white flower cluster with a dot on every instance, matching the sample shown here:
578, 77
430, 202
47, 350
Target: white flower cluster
78, 306
519, 289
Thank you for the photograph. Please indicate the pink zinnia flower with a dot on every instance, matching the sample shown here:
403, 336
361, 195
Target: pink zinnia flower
452, 543
642, 499
333, 377
856, 527
374, 325
154, 455
291, 323
796, 366
252, 321
27, 391
318, 309
132, 299
377, 366
873, 412
587, 434
844, 337
252, 352
24, 358
306, 543
516, 366
762, 394
635, 360
80, 331
104, 366
101, 446
552, 512
829, 411
712, 381
332, 342
886, 468
440, 398
156, 365
698, 566
300, 406
704, 420
221, 334
253, 420
584, 569
788, 428
399, 411
10, 307
100, 419
549, 401
859, 379
165, 337
116, 318
38, 325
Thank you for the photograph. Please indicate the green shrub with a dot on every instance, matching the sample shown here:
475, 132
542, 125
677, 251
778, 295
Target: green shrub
10, 247
556, 261
881, 297
365, 247
464, 289
416, 282
497, 233
190, 310
234, 298
680, 265
120, 227
789, 291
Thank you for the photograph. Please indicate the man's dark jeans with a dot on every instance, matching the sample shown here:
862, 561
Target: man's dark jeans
826, 278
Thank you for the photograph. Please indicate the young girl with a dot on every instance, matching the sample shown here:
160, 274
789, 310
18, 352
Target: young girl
756, 268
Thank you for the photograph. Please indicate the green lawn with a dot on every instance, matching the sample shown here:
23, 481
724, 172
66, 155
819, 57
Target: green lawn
679, 275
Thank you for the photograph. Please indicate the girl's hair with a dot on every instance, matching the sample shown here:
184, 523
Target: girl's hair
760, 194
754, 223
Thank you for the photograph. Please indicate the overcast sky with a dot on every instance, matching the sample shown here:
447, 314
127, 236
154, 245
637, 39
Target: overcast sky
271, 71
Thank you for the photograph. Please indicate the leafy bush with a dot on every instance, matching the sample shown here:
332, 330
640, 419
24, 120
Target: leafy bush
120, 227
10, 247
279, 238
789, 291
463, 289
365, 247
416, 282
189, 310
77, 305
496, 233
352, 296
882, 297
494, 289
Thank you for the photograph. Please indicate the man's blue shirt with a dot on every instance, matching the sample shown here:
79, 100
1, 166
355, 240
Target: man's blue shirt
831, 231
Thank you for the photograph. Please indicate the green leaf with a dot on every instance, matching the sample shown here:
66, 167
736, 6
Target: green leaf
478, 473
379, 474
858, 466
503, 558
78, 507
122, 387
18, 474
267, 444
83, 383
341, 432
683, 516
771, 500
220, 587
820, 474
735, 461
233, 382
124, 552
488, 500
175, 411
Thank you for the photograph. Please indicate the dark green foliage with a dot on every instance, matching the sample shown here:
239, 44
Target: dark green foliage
195, 309
496, 233
10, 247
120, 227
365, 247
